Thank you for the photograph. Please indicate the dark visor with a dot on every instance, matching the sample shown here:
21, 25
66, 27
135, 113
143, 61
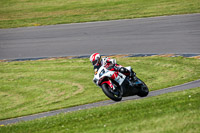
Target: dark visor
94, 62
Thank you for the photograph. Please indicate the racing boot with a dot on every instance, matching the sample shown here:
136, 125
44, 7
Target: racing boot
124, 71
132, 76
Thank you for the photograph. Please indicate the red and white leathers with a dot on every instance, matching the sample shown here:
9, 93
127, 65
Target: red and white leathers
108, 63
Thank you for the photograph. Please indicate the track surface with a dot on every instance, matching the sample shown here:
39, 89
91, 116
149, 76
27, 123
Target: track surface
168, 34
103, 103
160, 35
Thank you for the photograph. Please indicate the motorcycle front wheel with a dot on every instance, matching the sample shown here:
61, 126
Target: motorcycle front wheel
116, 96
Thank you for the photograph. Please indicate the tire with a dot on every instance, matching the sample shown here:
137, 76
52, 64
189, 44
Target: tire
144, 90
106, 89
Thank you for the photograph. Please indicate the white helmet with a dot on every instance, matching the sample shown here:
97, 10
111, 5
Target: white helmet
95, 59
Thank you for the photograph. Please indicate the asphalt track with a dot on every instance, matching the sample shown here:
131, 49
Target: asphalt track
185, 86
179, 34
176, 34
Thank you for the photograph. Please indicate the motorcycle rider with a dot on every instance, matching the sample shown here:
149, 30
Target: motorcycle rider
110, 64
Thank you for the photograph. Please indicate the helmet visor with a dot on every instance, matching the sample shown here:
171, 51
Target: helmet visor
94, 62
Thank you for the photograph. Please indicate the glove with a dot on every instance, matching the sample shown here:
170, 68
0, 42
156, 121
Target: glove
113, 61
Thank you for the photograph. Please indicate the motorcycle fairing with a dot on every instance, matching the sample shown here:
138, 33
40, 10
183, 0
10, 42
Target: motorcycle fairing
108, 82
118, 77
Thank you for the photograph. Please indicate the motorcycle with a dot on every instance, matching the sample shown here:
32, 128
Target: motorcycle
116, 85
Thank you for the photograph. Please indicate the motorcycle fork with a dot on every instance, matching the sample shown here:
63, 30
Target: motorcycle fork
110, 84
113, 85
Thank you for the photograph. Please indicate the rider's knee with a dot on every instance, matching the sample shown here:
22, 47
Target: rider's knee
124, 71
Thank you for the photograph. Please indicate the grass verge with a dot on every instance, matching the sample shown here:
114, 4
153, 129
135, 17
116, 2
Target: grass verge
171, 112
23, 13
30, 87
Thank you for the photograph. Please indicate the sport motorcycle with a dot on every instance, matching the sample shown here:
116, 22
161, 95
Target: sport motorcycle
116, 85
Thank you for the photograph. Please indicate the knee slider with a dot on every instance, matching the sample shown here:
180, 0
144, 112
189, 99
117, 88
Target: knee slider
124, 70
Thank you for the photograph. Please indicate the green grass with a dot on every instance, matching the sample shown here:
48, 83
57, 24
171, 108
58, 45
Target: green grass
176, 112
23, 13
30, 87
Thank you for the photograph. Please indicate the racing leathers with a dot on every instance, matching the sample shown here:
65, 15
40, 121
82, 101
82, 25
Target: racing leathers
111, 65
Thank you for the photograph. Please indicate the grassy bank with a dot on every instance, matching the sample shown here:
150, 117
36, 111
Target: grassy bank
22, 13
36, 86
172, 112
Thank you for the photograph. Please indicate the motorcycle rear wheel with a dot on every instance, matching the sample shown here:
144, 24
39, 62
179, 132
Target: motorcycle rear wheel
107, 91
144, 90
